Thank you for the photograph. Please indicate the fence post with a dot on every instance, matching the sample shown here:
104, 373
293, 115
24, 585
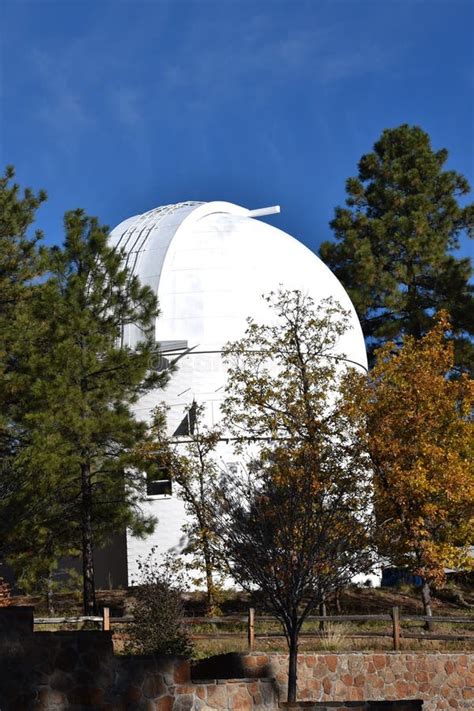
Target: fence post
396, 628
251, 628
323, 613
105, 619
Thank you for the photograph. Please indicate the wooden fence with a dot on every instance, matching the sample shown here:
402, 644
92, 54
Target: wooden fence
103, 619
249, 623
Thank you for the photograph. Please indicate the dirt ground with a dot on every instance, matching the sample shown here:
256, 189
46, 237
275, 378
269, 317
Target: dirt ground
457, 597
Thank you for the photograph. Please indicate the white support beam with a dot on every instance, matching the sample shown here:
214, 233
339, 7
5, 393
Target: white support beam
261, 212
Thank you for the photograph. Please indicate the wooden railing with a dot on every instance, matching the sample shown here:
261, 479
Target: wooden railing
103, 619
249, 622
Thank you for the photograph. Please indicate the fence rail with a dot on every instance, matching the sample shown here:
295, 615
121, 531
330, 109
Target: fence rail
104, 620
397, 633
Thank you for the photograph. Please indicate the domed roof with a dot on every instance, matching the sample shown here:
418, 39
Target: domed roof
209, 263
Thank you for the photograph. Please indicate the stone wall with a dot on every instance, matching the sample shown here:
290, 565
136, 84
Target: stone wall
46, 671
442, 681
78, 670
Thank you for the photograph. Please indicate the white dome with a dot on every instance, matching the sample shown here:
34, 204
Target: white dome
209, 264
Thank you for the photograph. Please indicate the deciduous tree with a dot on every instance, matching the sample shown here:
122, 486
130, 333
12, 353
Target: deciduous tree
396, 238
189, 460
419, 433
297, 527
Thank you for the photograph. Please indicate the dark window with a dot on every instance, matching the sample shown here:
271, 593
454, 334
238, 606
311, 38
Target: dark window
188, 423
163, 363
158, 487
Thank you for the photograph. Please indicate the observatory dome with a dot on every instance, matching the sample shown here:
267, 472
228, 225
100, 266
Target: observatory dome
209, 264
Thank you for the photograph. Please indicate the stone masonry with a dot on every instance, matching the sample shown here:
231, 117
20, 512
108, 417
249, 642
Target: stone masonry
441, 680
78, 670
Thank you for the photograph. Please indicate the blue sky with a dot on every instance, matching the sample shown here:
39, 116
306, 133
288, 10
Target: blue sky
118, 107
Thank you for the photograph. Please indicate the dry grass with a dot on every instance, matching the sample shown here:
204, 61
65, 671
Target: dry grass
335, 638
207, 648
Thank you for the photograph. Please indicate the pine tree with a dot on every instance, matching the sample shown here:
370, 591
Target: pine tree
395, 242
81, 461
20, 265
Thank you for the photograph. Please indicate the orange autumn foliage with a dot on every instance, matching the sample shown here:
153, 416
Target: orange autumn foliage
419, 433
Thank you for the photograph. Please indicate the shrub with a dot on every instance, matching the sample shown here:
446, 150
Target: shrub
158, 612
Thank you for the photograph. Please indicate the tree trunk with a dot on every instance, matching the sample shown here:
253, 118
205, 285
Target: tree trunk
209, 581
87, 545
49, 594
323, 613
292, 666
337, 601
426, 599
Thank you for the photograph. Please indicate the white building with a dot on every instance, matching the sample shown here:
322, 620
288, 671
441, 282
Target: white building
209, 264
